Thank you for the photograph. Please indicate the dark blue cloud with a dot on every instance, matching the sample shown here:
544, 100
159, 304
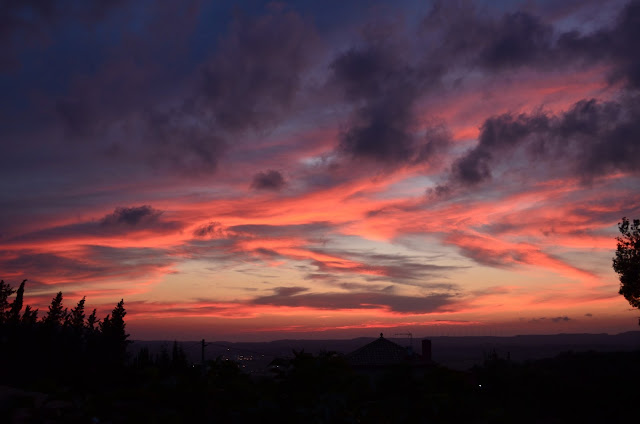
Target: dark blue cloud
296, 297
131, 216
589, 140
384, 85
269, 180
97, 262
524, 39
518, 39
122, 221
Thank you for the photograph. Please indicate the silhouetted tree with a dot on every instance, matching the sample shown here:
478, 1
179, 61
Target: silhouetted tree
163, 359
627, 260
178, 357
105, 325
55, 315
92, 321
66, 318
16, 305
114, 335
5, 292
76, 317
29, 317
143, 358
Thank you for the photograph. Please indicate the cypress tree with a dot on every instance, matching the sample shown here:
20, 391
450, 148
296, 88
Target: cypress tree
76, 317
55, 315
16, 305
29, 316
92, 321
114, 335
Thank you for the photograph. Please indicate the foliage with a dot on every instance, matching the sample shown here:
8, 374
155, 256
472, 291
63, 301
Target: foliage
92, 321
16, 305
586, 387
62, 348
55, 315
5, 292
178, 357
114, 336
76, 362
627, 260
76, 317
30, 316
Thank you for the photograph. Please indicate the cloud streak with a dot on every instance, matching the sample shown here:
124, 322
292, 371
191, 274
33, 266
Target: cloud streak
295, 297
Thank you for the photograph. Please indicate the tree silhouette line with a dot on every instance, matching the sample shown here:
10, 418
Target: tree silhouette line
63, 347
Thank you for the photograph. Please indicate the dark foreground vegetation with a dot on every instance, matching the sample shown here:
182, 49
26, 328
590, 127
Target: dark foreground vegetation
70, 368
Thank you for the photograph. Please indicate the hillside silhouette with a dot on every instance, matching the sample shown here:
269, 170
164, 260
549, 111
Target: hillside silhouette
68, 367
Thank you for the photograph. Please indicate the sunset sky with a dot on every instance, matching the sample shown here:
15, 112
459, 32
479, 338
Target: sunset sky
256, 170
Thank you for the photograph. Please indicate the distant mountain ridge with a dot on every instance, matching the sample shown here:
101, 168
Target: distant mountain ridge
454, 352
